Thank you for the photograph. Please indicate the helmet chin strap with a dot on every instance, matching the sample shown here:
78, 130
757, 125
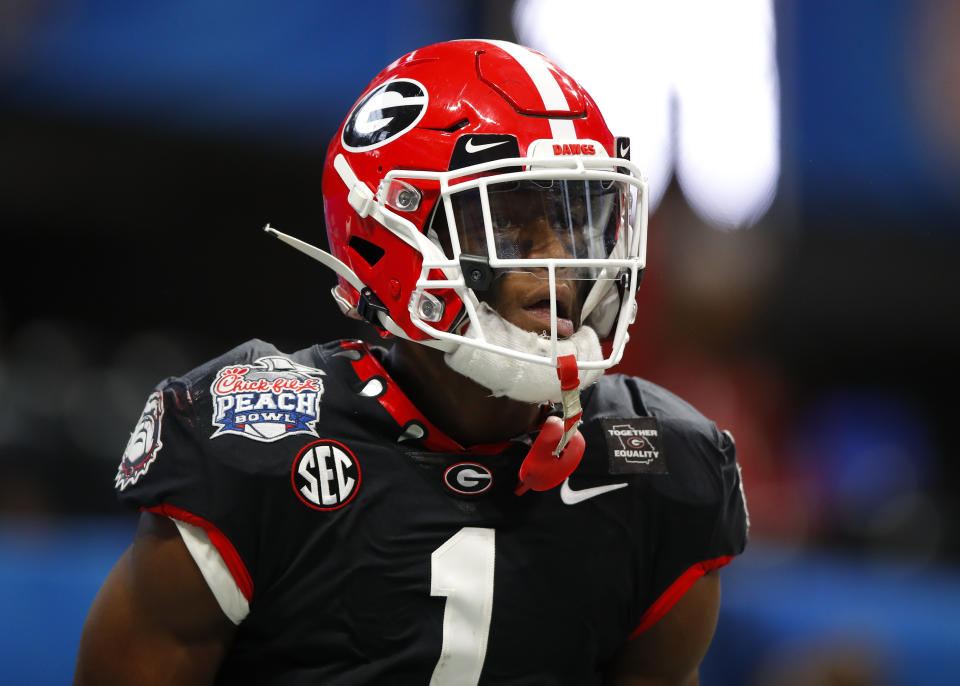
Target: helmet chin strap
321, 256
348, 275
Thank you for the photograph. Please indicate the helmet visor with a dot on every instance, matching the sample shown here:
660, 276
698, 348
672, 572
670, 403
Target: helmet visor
543, 219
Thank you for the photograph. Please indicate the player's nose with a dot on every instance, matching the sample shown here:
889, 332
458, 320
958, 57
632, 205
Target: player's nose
546, 244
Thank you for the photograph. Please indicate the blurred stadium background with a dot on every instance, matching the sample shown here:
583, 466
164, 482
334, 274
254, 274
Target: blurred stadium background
802, 285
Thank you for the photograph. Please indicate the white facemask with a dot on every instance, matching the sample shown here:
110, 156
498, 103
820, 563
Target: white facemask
518, 379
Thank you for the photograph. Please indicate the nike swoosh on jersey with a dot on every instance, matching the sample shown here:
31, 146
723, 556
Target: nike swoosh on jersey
624, 151
471, 148
572, 497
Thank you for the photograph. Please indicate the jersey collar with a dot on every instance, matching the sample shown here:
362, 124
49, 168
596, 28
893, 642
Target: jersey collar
377, 383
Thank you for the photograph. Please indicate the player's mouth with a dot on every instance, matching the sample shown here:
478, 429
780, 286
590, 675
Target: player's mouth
537, 314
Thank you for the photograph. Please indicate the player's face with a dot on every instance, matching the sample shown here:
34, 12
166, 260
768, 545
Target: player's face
523, 298
539, 220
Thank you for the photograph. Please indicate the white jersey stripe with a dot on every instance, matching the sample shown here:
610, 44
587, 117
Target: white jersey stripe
546, 83
214, 570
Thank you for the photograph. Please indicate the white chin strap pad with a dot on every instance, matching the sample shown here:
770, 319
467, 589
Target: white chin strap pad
518, 379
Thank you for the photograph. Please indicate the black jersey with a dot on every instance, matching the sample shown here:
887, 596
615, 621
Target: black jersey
373, 549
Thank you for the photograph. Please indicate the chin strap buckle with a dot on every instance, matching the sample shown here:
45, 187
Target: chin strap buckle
559, 448
570, 388
369, 306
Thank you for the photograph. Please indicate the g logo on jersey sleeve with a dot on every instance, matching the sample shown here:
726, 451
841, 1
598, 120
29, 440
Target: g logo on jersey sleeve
325, 475
144, 443
267, 399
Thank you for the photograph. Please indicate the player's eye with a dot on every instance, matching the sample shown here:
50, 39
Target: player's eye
500, 221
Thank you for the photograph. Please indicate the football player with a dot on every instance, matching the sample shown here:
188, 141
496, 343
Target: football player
477, 504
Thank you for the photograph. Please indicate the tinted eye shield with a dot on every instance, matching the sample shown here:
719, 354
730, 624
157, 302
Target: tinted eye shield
535, 219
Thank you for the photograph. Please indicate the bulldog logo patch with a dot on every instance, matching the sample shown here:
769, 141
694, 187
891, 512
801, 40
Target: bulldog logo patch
144, 443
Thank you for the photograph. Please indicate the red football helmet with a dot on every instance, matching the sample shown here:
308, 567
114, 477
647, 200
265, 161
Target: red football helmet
434, 180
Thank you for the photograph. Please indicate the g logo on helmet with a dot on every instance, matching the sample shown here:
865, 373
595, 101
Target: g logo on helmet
385, 113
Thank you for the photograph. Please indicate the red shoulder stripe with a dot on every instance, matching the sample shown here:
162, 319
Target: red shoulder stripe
676, 590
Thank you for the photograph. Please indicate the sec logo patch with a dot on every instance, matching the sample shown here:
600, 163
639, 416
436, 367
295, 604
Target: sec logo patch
325, 475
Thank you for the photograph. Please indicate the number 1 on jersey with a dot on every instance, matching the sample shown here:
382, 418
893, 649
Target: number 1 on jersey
462, 571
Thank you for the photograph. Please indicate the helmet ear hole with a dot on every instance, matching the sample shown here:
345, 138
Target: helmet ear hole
370, 252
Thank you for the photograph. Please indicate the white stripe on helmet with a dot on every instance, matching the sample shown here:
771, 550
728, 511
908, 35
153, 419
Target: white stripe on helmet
546, 83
